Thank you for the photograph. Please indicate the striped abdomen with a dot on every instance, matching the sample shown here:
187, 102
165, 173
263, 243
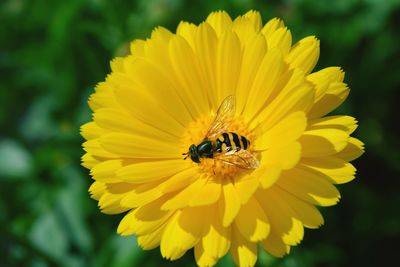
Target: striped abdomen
231, 141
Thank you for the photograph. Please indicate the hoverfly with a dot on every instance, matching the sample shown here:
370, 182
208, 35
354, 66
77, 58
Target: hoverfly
228, 147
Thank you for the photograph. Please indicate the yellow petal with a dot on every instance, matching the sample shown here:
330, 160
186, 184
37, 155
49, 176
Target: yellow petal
203, 259
252, 222
275, 246
88, 161
161, 34
309, 187
294, 78
246, 186
155, 50
103, 97
323, 142
137, 47
183, 198
265, 82
188, 31
229, 204
106, 118
268, 174
283, 220
212, 191
271, 26
106, 170
206, 48
158, 84
151, 171
96, 190
255, 18
216, 240
323, 78
143, 106
299, 98
344, 123
136, 146
110, 203
304, 55
119, 187
281, 39
91, 130
243, 252
145, 219
220, 21
228, 64
182, 232
244, 30
307, 213
284, 157
187, 76
353, 150
141, 194
94, 148
117, 64
151, 240
289, 129
253, 54
180, 180
125, 224
336, 93
334, 169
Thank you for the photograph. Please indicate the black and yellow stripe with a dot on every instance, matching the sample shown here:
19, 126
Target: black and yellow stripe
231, 141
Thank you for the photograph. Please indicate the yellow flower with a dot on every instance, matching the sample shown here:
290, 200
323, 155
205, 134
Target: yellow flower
163, 97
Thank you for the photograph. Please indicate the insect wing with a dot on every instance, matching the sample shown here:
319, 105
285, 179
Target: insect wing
243, 159
223, 118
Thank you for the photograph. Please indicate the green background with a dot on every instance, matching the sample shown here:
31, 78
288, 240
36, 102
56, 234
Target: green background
52, 53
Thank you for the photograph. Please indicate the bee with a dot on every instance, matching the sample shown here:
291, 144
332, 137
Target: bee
228, 147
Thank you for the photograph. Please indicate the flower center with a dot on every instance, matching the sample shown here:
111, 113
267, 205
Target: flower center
217, 166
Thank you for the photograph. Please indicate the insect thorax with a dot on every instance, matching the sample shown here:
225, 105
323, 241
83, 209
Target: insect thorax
205, 149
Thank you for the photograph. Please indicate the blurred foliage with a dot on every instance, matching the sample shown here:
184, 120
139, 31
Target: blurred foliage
52, 53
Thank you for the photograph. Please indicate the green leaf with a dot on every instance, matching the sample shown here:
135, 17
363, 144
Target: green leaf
126, 252
48, 235
16, 161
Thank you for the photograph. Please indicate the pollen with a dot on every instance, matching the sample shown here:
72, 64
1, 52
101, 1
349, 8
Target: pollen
215, 167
